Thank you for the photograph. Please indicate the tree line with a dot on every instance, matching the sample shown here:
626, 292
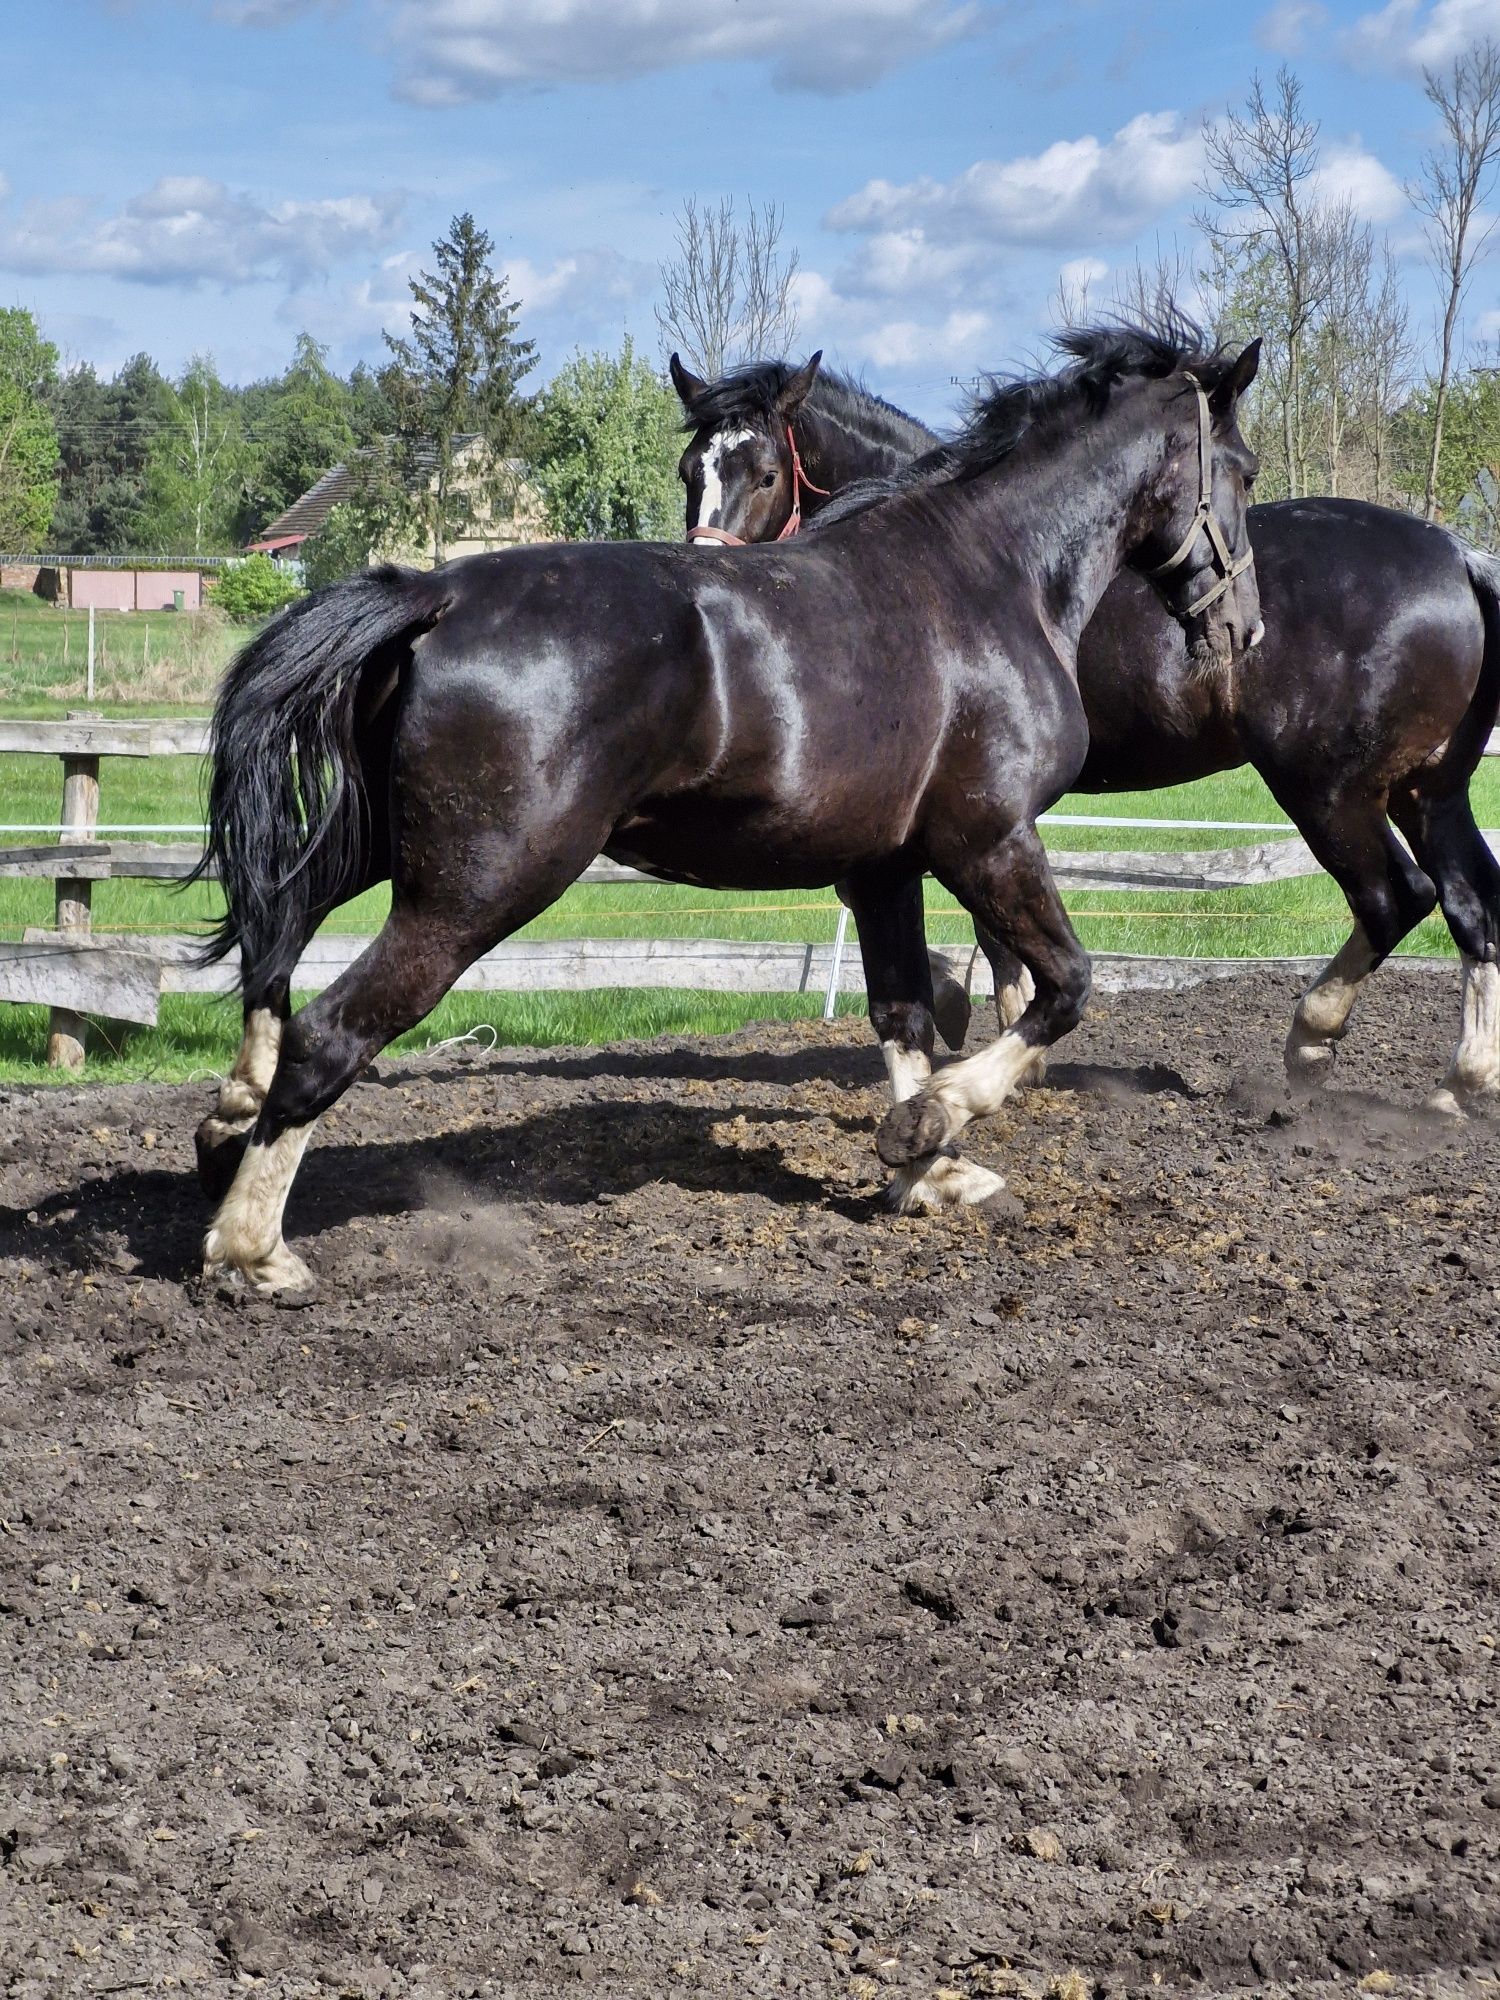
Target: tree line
442, 435
436, 439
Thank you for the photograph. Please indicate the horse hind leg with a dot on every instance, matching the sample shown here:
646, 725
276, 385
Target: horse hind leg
1388, 895
952, 1009
400, 977
1451, 848
221, 1138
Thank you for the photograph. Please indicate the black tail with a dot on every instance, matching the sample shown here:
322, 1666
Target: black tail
1479, 720
287, 812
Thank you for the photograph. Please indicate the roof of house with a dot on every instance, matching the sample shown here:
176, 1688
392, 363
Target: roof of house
306, 516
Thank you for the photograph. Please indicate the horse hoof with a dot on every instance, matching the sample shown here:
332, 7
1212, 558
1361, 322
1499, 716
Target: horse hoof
912, 1130
1444, 1104
952, 1012
220, 1147
1309, 1065
944, 1182
280, 1275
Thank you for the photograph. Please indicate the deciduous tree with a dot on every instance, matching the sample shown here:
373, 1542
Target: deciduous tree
1454, 179
607, 448
28, 436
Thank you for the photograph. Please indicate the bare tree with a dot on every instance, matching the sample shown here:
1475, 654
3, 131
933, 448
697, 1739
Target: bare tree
1155, 290
1261, 167
1386, 364
727, 294
1337, 376
1450, 188
1071, 301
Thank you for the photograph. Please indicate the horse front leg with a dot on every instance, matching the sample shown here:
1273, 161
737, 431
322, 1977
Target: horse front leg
888, 912
1010, 893
1015, 989
950, 1005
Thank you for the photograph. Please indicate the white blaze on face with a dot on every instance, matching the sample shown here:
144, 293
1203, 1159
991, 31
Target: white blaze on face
712, 466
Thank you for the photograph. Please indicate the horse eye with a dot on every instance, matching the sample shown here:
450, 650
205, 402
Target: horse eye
769, 479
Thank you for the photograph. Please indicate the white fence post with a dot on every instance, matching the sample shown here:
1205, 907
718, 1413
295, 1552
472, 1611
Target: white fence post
831, 997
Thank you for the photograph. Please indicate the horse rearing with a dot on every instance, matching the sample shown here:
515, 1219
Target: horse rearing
891, 697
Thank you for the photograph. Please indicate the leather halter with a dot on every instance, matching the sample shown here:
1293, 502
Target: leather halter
1205, 520
800, 481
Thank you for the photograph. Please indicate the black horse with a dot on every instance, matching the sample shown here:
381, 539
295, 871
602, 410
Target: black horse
889, 698
1370, 698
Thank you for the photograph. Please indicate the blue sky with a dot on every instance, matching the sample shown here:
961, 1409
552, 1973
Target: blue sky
217, 175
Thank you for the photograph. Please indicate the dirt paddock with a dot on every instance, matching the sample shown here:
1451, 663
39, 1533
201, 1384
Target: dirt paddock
649, 1568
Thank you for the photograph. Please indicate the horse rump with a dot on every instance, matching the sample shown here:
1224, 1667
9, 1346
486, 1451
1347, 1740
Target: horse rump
288, 810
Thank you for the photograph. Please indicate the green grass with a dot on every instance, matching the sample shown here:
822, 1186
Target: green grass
197, 1039
1277, 920
139, 656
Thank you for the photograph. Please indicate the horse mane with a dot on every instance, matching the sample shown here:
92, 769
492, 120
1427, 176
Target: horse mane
1007, 409
749, 395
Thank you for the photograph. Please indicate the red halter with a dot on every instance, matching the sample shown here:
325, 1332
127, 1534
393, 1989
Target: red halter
800, 481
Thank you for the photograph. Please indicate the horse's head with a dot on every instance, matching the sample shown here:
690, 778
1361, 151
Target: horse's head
1198, 552
741, 471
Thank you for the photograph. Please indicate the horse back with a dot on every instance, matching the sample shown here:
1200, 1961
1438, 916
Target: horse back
1373, 647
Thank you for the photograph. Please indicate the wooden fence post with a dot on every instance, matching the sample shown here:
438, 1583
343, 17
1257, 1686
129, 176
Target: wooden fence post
80, 819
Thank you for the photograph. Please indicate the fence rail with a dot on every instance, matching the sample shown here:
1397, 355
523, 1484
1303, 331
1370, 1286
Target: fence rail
76, 972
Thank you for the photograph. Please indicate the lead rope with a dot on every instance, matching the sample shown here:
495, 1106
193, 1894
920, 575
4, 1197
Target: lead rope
800, 482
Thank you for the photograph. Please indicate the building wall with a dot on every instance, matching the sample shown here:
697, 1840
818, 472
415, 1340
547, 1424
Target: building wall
134, 589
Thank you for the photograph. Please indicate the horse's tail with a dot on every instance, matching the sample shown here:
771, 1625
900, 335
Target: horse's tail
1474, 731
287, 807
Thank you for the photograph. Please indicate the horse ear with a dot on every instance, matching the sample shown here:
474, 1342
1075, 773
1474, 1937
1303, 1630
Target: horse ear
689, 386
794, 395
1237, 379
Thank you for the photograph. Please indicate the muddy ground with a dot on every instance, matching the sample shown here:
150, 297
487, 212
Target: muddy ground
648, 1568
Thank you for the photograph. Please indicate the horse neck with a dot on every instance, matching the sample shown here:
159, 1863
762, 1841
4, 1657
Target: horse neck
1076, 510
838, 448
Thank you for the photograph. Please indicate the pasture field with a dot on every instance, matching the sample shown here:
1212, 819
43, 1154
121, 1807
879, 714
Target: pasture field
160, 657
648, 1567
1278, 920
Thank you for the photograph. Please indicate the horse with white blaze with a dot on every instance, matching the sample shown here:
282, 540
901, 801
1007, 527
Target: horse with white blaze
892, 697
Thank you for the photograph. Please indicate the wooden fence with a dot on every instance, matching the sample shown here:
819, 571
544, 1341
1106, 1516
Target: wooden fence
76, 971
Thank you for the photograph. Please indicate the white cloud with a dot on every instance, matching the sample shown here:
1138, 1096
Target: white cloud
1078, 189
1290, 25
951, 342
263, 13
898, 263
1407, 35
1346, 172
456, 51
189, 230
581, 281
859, 331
